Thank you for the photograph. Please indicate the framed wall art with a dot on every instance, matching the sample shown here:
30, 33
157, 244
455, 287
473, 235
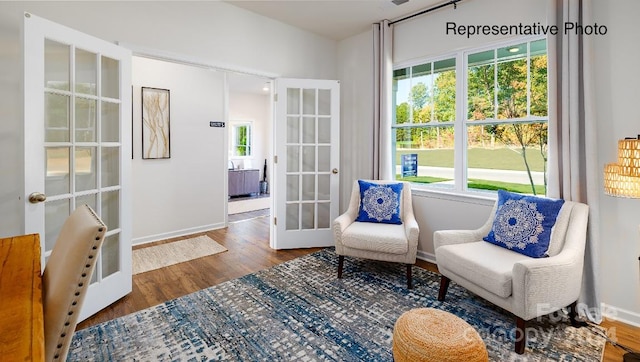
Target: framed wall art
156, 142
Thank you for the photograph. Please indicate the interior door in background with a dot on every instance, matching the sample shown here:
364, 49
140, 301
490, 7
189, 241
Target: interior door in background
307, 150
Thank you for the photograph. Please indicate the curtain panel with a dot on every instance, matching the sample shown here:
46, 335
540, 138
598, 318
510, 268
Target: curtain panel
574, 173
383, 87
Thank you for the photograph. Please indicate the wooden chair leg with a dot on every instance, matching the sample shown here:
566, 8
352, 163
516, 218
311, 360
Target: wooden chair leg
521, 335
444, 285
573, 314
340, 265
409, 286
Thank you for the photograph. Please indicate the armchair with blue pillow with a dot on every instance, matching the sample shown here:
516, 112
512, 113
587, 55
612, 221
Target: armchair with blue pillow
527, 258
379, 224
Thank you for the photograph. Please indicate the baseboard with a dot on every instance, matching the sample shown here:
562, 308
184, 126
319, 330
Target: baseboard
423, 255
621, 315
177, 233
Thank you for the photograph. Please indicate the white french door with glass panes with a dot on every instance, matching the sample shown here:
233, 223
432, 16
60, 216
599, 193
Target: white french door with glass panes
77, 145
307, 139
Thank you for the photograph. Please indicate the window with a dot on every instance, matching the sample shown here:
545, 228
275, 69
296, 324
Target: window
241, 139
474, 121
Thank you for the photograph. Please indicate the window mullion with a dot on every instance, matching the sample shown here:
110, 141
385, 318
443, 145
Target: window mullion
459, 130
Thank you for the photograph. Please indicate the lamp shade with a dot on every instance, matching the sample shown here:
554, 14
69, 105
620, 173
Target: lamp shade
629, 157
622, 179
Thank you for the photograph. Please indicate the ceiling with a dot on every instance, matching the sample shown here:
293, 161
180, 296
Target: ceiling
333, 19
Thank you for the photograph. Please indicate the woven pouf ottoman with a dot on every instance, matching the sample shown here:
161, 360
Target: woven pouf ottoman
427, 334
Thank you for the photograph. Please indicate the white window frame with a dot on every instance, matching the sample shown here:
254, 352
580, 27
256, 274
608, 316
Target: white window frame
233, 126
461, 122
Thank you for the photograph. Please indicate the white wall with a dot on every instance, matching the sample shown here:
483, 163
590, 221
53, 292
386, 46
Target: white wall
616, 92
212, 32
186, 191
616, 79
256, 108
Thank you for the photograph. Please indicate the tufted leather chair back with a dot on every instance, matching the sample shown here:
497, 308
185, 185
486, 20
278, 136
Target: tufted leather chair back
67, 276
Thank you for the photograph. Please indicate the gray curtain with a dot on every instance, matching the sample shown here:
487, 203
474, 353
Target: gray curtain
574, 173
382, 88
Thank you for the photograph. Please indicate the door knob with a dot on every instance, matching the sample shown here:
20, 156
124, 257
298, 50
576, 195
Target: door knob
37, 197
334, 171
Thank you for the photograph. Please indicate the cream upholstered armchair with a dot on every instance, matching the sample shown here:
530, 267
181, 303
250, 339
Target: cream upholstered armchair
377, 241
67, 276
526, 286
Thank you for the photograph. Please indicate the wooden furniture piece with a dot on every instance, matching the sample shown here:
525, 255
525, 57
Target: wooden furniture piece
21, 313
244, 182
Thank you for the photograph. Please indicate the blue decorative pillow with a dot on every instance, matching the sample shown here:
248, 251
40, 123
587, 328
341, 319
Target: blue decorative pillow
523, 223
379, 203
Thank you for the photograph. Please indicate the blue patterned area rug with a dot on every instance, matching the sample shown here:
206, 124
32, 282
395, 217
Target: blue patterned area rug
300, 311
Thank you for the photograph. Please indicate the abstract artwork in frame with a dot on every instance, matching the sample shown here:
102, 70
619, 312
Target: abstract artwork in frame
155, 123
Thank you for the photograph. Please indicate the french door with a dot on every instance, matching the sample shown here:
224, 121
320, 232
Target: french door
307, 149
77, 145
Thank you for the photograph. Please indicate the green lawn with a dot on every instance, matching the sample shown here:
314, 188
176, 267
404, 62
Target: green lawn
498, 158
479, 184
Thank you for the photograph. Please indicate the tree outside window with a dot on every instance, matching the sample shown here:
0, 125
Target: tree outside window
505, 117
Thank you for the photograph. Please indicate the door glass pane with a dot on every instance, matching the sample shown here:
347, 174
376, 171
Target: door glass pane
293, 130
293, 216
56, 65
85, 170
323, 187
110, 77
308, 130
110, 255
308, 101
110, 122
56, 118
308, 216
324, 158
57, 171
55, 213
86, 72
90, 200
324, 102
110, 166
293, 101
308, 187
324, 219
293, 188
110, 209
308, 159
324, 130
293, 158
85, 120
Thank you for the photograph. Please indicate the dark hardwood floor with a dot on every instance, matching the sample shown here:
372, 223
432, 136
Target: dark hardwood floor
248, 252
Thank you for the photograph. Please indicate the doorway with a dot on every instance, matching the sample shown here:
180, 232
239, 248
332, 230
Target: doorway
250, 146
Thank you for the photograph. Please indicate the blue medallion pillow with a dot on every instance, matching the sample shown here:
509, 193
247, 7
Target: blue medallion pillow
524, 223
379, 203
